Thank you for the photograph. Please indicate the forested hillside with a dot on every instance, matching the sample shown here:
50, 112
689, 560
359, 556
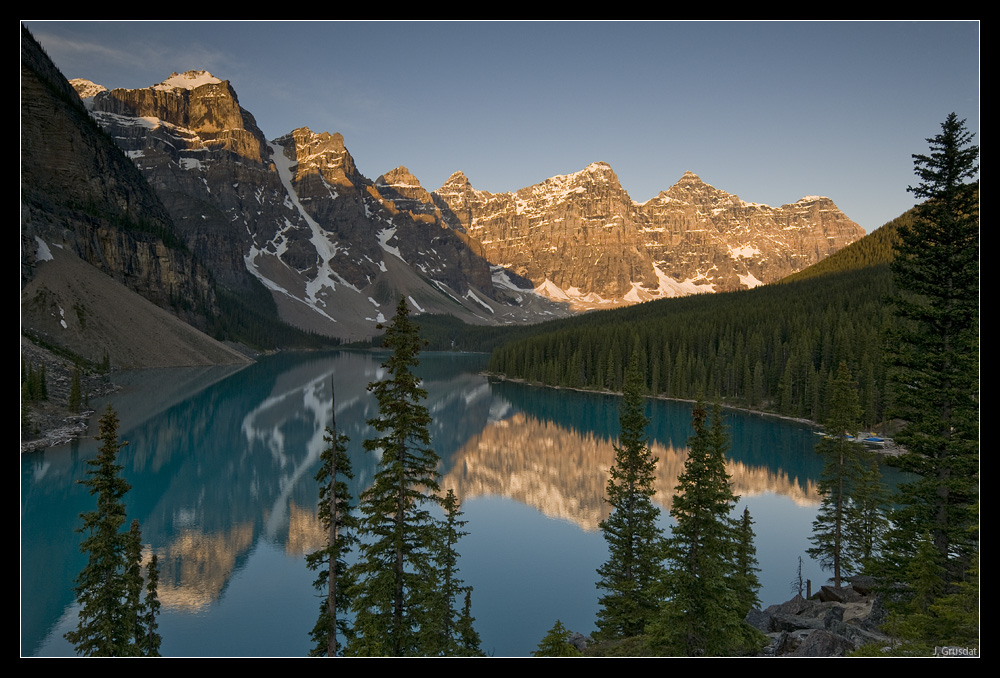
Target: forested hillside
775, 347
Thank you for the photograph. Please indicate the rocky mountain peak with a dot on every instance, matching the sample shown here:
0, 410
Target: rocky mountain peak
399, 178
320, 153
457, 179
87, 89
405, 192
691, 189
201, 110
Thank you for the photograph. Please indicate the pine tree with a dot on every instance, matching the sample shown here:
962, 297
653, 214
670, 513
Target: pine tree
634, 567
701, 610
836, 484
149, 644
468, 636
935, 350
868, 520
444, 630
396, 568
113, 621
556, 643
745, 569
338, 522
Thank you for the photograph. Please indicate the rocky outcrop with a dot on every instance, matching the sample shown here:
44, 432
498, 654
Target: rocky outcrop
197, 102
207, 160
831, 624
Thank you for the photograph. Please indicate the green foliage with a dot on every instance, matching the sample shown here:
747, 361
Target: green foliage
868, 515
333, 578
556, 643
934, 615
33, 383
704, 596
149, 640
935, 353
444, 630
744, 578
840, 541
402, 602
113, 620
634, 568
468, 636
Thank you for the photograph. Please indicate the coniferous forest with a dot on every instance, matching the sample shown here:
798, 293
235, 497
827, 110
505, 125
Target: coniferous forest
773, 348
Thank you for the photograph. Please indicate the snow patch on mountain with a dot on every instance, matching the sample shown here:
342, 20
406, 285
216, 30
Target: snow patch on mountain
744, 251
187, 80
43, 253
415, 305
384, 236
750, 280
473, 297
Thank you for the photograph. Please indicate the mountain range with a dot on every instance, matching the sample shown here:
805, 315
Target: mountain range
232, 213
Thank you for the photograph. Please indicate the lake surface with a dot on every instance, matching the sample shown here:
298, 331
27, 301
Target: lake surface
222, 467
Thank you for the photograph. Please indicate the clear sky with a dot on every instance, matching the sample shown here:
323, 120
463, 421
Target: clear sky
770, 111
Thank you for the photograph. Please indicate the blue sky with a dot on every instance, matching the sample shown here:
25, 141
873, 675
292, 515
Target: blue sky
770, 111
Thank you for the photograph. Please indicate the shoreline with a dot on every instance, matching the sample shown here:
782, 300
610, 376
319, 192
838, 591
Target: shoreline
891, 449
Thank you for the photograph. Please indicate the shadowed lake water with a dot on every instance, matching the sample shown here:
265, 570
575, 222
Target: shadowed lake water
222, 469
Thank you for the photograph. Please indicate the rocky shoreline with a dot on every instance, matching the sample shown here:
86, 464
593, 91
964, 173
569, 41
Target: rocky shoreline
51, 422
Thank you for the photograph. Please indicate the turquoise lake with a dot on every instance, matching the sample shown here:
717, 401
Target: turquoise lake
222, 466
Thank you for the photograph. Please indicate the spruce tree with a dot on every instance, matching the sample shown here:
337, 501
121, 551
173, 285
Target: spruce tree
337, 520
444, 630
149, 643
843, 457
396, 564
700, 614
113, 620
935, 351
868, 519
745, 569
634, 567
556, 643
468, 636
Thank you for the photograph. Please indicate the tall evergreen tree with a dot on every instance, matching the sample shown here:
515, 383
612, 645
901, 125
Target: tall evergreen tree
396, 565
149, 642
701, 613
113, 621
843, 458
868, 516
935, 350
745, 569
338, 522
445, 631
634, 567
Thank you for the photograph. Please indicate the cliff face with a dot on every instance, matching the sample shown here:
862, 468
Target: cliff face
207, 161
79, 192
